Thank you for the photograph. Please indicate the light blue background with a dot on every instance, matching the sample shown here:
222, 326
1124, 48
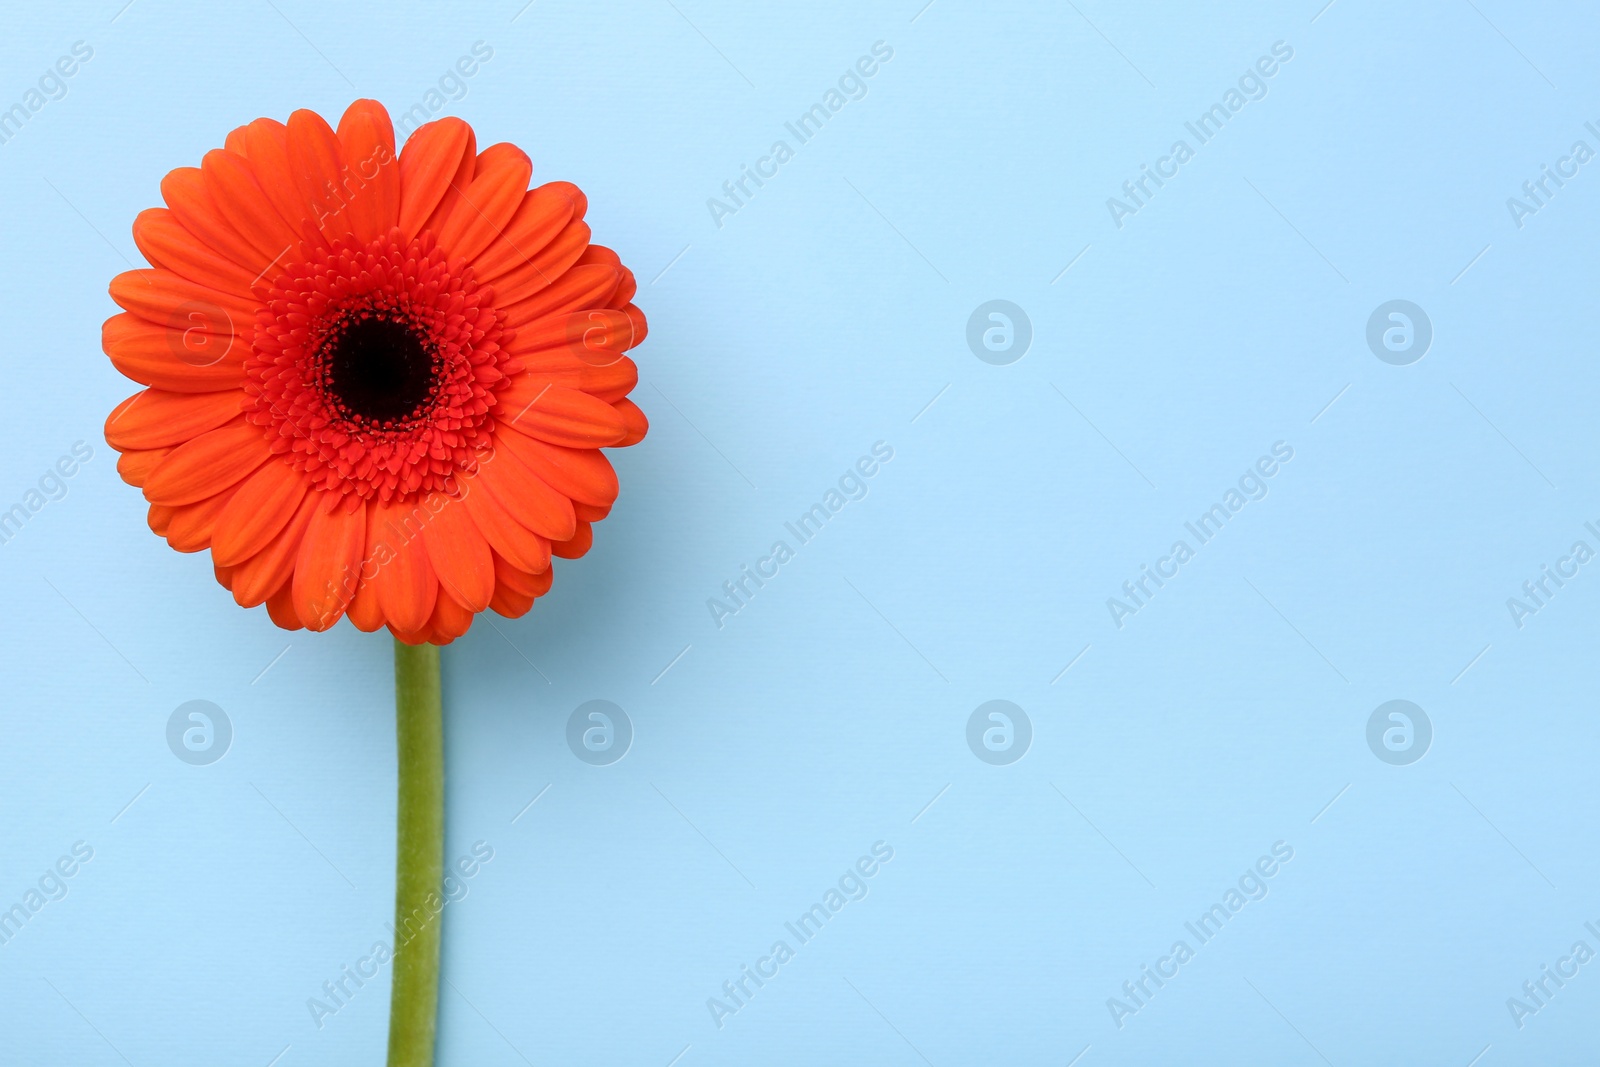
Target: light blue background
821, 318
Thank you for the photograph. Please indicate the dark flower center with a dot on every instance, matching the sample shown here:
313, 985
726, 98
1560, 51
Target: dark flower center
379, 369
374, 365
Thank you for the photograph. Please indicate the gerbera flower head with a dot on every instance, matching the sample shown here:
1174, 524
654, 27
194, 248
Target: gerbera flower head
377, 382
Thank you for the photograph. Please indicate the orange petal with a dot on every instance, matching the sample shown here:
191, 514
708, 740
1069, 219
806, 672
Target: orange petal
525, 388
406, 584
328, 568
184, 190
166, 244
208, 464
166, 299
527, 498
367, 137
584, 474
613, 381
235, 141
624, 294
431, 159
365, 612
601, 254
259, 510
581, 287
641, 328
568, 417
267, 570
135, 466
280, 608
521, 582
159, 519
268, 142
543, 213
635, 421
525, 549
554, 366
544, 268
590, 512
609, 381
191, 524
485, 207
576, 545
597, 336
320, 173
234, 189
510, 604
159, 417
580, 202
192, 360
423, 636
450, 619
465, 172
542, 582
460, 555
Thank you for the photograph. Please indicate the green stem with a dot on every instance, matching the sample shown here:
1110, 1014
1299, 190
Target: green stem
419, 855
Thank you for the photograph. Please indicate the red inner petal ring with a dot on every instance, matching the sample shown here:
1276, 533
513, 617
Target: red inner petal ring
374, 367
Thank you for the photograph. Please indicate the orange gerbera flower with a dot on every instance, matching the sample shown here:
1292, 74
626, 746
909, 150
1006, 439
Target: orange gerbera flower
378, 384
